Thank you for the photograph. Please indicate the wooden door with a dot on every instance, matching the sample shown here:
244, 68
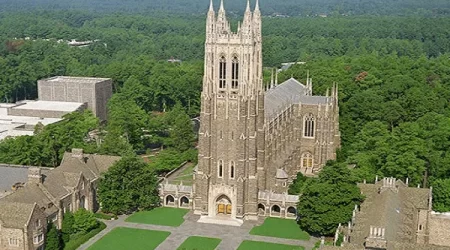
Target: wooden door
229, 209
220, 208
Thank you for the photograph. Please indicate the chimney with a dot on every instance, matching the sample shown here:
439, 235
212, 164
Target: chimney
77, 153
34, 175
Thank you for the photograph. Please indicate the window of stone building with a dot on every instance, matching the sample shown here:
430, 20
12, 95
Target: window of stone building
222, 72
235, 73
307, 160
82, 185
232, 169
38, 223
13, 242
221, 134
38, 238
220, 170
308, 128
232, 135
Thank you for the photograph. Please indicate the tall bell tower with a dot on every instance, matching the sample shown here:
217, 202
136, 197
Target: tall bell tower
231, 136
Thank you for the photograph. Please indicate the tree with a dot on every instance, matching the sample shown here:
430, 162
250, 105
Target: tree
53, 238
441, 195
181, 133
298, 185
127, 186
328, 200
83, 221
67, 226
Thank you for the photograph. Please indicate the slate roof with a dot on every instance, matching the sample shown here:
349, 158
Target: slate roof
58, 182
15, 215
287, 93
281, 174
12, 174
31, 194
389, 208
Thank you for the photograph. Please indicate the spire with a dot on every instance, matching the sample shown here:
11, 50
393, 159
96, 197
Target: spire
271, 80
211, 6
276, 77
221, 6
246, 24
257, 6
248, 6
328, 92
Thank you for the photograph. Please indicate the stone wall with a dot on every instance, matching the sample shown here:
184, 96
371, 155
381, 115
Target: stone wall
95, 93
439, 228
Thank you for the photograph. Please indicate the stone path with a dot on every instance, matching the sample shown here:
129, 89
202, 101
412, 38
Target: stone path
231, 236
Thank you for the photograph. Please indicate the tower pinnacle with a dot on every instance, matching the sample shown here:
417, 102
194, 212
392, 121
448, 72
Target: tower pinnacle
211, 7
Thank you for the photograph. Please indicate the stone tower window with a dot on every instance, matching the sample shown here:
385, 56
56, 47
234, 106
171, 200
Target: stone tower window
235, 73
222, 72
220, 170
307, 160
308, 128
232, 169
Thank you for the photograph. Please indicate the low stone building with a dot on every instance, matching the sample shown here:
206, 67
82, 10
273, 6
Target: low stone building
395, 216
69, 187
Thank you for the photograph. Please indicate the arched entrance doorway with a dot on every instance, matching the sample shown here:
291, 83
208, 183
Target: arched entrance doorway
223, 205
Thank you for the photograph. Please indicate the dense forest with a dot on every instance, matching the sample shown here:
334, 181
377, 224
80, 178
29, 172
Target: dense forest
236, 7
391, 63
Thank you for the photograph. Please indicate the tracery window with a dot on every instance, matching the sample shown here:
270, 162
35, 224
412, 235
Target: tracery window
232, 169
308, 128
220, 170
307, 160
235, 73
222, 72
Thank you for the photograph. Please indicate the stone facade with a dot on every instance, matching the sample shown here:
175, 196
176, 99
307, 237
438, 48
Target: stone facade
69, 187
395, 216
254, 140
94, 91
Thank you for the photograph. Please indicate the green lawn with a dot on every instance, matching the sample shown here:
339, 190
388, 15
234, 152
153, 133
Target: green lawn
122, 238
199, 243
280, 228
165, 216
251, 245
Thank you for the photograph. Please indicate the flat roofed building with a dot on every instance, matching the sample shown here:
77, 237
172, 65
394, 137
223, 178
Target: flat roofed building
93, 91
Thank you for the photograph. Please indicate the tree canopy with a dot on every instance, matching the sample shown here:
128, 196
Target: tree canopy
127, 186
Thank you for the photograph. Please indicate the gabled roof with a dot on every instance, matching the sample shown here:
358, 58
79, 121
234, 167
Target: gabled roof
288, 93
31, 194
15, 215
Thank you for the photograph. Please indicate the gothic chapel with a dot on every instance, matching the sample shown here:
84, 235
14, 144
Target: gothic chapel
253, 141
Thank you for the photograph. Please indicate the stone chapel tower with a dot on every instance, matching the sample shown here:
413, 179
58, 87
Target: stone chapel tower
231, 136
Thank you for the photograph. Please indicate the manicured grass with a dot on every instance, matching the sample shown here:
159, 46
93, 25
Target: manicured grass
251, 245
280, 228
122, 238
165, 216
199, 243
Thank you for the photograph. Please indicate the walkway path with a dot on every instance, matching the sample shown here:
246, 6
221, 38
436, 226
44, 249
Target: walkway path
231, 236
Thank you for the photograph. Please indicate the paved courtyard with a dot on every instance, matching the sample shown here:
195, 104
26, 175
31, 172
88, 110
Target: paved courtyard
231, 236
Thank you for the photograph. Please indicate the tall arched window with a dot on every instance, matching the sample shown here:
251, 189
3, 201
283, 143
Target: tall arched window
235, 73
308, 128
220, 169
307, 160
222, 72
232, 169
